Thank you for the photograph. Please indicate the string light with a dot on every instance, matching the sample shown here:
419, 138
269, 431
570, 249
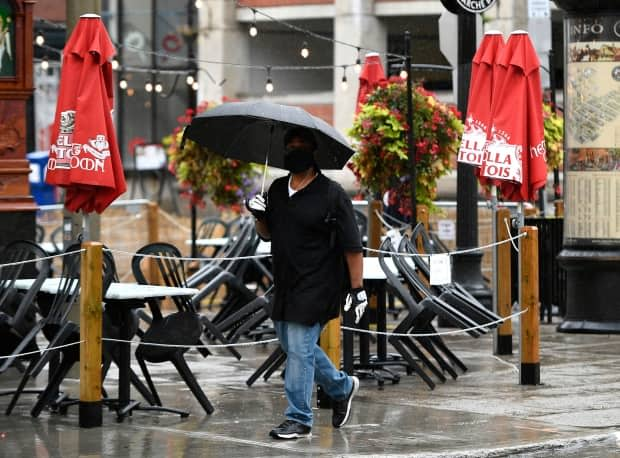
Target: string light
189, 79
344, 85
195, 85
305, 52
115, 64
269, 84
358, 63
148, 87
253, 30
39, 39
158, 87
45, 63
198, 4
403, 73
123, 84
130, 91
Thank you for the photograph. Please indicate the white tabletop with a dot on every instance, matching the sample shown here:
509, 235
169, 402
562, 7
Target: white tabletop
118, 291
373, 271
49, 246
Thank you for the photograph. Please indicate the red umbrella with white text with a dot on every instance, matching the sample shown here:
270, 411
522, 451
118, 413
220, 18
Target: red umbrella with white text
84, 155
515, 150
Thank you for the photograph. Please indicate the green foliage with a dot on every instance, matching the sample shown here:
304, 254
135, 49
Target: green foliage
382, 163
554, 136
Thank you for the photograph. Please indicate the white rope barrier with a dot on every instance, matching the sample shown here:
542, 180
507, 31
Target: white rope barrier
20, 355
153, 344
45, 258
434, 334
450, 253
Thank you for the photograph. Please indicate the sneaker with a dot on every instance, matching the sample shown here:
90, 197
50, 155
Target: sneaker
342, 409
290, 430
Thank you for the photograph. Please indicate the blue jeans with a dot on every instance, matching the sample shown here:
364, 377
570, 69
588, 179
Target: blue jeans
307, 363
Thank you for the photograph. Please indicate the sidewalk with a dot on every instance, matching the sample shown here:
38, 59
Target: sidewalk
485, 412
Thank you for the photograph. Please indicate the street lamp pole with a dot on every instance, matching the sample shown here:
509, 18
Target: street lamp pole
410, 143
467, 266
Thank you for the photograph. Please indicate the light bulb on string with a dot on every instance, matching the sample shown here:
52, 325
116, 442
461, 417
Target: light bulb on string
358, 63
158, 87
253, 31
148, 87
123, 84
269, 85
39, 39
305, 52
198, 4
45, 63
130, 92
195, 85
344, 85
189, 79
403, 74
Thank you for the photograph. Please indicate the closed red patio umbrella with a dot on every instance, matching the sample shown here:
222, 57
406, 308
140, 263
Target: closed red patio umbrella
371, 75
84, 156
479, 100
515, 151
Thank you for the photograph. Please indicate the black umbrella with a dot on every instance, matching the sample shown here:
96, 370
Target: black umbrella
254, 132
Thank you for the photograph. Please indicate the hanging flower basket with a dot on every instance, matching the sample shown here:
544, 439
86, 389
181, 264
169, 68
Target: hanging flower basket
203, 173
382, 163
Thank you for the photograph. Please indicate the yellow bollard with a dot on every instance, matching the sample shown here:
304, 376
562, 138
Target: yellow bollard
529, 299
153, 236
330, 341
504, 283
91, 310
422, 217
559, 208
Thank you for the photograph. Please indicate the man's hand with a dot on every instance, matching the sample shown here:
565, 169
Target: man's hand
257, 206
358, 300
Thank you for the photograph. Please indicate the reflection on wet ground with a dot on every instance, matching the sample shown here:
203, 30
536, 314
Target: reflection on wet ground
484, 412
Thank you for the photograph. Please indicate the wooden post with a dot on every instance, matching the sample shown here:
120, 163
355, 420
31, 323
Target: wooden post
330, 341
529, 299
504, 283
559, 208
374, 226
91, 312
422, 217
153, 236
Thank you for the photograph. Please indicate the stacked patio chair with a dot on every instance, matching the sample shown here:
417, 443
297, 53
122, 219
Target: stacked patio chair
417, 351
59, 330
453, 293
18, 326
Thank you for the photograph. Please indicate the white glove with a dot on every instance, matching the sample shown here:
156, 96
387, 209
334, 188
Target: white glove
257, 206
358, 300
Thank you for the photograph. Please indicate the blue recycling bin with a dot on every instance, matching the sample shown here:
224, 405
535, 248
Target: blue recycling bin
43, 193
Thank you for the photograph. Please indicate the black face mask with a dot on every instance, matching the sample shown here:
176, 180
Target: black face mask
298, 160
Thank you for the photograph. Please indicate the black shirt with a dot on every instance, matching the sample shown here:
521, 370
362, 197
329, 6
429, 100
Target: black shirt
309, 276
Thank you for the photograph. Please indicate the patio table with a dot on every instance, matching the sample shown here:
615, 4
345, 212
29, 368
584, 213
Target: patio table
122, 297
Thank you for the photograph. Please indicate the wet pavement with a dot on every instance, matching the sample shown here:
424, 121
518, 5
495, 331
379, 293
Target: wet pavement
575, 412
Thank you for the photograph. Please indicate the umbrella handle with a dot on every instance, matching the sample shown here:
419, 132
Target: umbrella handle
262, 187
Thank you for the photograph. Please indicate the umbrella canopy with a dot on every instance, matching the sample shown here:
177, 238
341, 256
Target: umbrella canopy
84, 156
371, 75
515, 151
254, 132
479, 101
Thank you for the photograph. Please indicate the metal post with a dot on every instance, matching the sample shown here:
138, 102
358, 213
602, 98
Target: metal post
467, 266
410, 140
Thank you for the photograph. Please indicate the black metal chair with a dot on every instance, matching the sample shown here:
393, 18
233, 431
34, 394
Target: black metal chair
59, 331
417, 321
18, 310
183, 327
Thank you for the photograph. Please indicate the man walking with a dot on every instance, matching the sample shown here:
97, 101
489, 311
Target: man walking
317, 257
